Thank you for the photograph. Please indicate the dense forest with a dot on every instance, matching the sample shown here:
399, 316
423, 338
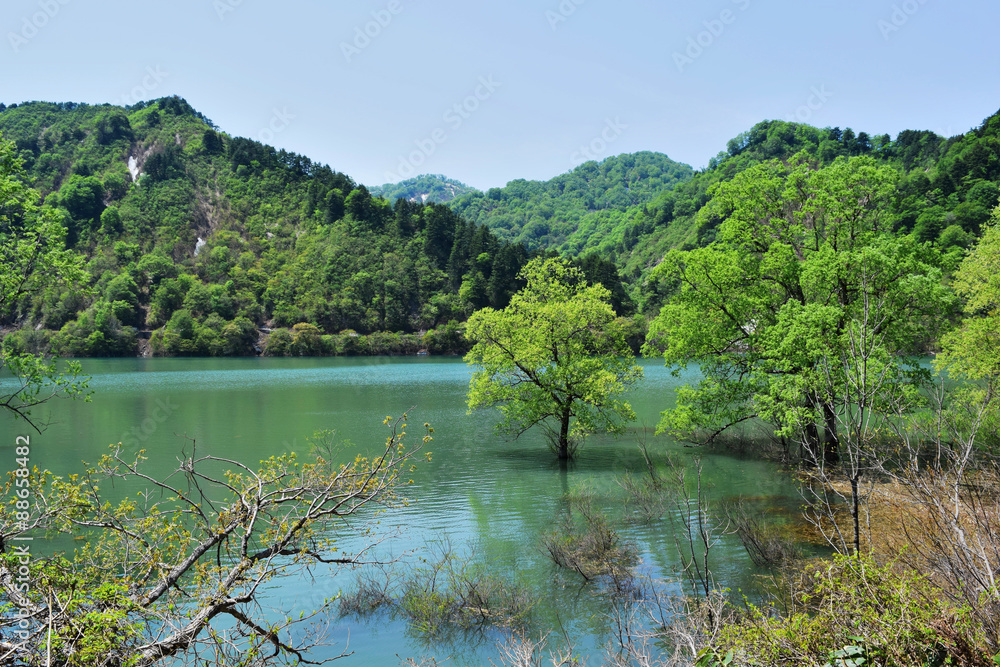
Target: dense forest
945, 192
561, 213
197, 240
199, 243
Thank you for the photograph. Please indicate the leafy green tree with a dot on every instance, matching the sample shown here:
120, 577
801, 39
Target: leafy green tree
335, 206
279, 344
113, 126
212, 142
111, 221
82, 197
973, 350
122, 288
239, 337
805, 294
556, 357
33, 259
306, 340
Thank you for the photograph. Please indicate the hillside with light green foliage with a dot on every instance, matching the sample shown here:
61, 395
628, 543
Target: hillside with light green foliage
563, 212
213, 237
197, 242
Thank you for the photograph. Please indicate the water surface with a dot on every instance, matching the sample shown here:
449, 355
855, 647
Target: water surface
488, 497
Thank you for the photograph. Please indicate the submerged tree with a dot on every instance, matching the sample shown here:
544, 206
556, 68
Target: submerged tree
556, 356
805, 304
177, 574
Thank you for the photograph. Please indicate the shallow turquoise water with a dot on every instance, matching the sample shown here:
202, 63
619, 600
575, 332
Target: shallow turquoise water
489, 498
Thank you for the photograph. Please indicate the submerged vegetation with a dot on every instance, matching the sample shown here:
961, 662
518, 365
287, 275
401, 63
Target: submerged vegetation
444, 594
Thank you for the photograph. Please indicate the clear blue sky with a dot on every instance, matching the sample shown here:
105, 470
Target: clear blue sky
534, 81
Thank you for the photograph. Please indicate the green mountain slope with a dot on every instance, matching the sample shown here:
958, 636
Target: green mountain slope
945, 192
198, 240
559, 213
209, 237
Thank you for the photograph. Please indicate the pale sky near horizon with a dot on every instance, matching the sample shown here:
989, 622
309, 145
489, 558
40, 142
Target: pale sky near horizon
486, 93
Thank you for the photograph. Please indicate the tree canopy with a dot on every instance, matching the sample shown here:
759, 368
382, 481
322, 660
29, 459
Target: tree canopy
804, 272
974, 349
33, 261
555, 356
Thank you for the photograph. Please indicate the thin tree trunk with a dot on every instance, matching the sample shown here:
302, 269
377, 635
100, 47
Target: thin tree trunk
856, 513
809, 450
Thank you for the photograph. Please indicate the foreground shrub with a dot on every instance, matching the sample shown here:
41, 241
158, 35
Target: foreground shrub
852, 611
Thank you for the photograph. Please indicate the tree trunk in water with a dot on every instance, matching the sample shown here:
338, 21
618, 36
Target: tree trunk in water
564, 437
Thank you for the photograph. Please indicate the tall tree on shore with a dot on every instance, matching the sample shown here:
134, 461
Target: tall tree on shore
802, 272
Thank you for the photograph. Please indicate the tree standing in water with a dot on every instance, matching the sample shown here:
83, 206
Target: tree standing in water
556, 357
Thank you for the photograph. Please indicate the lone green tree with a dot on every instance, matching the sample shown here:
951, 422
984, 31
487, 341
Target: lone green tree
805, 304
555, 357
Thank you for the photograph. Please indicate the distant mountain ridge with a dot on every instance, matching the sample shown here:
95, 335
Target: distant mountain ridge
427, 188
545, 214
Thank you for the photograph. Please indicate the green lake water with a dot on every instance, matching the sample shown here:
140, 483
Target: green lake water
489, 498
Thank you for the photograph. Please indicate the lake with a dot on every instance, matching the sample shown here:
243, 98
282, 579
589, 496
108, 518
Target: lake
490, 499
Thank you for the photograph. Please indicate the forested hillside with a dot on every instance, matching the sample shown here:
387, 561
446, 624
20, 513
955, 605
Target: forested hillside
204, 243
945, 191
615, 208
563, 212
210, 237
